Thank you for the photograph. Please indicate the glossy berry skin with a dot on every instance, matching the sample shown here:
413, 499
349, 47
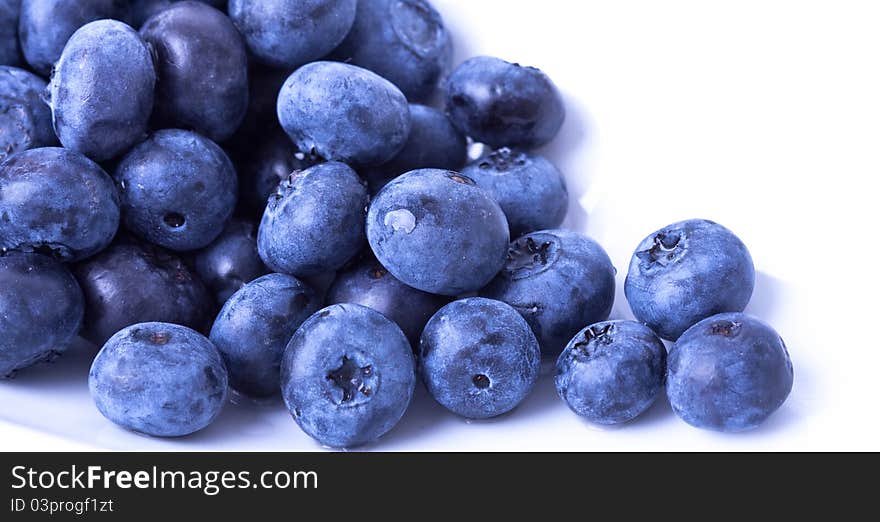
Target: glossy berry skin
436, 231
504, 104
159, 379
25, 120
42, 310
46, 25
315, 221
404, 41
558, 281
231, 261
369, 284
529, 188
478, 358
178, 189
131, 283
290, 33
432, 143
10, 50
102, 90
728, 373
254, 327
56, 201
344, 113
141, 10
266, 165
347, 376
202, 68
686, 272
611, 372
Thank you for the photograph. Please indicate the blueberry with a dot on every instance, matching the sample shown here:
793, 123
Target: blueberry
178, 188
202, 68
404, 41
368, 283
315, 221
435, 230
728, 373
159, 379
46, 25
254, 327
102, 90
347, 375
558, 281
344, 113
10, 51
321, 283
141, 10
290, 33
611, 372
686, 272
131, 283
269, 162
56, 201
231, 261
529, 188
433, 143
25, 120
503, 104
42, 310
479, 358
264, 85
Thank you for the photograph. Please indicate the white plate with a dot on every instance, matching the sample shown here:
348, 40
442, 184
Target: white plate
759, 115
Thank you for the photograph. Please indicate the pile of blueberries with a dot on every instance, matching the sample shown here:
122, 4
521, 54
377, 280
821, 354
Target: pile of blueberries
310, 117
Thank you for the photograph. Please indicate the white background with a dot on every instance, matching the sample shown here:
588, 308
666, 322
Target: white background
761, 115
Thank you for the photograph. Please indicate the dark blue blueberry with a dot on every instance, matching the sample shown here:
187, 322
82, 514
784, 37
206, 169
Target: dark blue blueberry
159, 379
611, 372
261, 117
504, 104
56, 201
178, 188
202, 68
254, 327
231, 261
347, 376
25, 120
321, 283
269, 161
41, 310
46, 25
728, 373
686, 272
290, 33
260, 149
102, 90
141, 10
404, 41
10, 50
315, 221
530, 189
433, 143
558, 281
131, 283
479, 358
369, 284
344, 113
435, 230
